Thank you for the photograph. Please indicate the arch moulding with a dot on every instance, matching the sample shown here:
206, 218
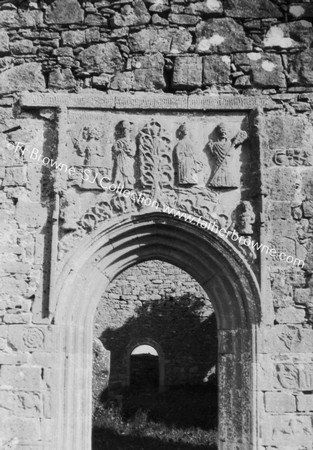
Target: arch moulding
218, 267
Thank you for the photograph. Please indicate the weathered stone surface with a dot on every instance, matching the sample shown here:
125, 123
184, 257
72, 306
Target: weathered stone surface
216, 69
22, 430
217, 36
183, 19
137, 14
148, 72
21, 18
255, 9
160, 40
187, 72
280, 402
301, 9
24, 378
101, 58
4, 42
64, 12
206, 7
74, 38
22, 47
287, 430
27, 76
61, 79
290, 315
267, 70
303, 297
301, 68
305, 402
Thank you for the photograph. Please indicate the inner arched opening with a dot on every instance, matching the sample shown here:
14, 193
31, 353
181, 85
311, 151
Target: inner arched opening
155, 361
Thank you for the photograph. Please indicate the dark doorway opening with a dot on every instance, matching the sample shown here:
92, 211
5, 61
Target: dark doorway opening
144, 369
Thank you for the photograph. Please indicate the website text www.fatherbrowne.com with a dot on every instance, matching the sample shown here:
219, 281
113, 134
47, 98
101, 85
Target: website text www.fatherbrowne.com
141, 198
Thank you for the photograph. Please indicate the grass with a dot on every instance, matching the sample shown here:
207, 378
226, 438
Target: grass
179, 419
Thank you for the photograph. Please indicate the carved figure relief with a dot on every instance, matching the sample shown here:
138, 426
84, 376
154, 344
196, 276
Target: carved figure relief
292, 157
88, 145
246, 218
124, 151
184, 158
222, 150
156, 171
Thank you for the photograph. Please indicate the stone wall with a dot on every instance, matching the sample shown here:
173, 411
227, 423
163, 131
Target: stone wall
155, 302
150, 45
252, 53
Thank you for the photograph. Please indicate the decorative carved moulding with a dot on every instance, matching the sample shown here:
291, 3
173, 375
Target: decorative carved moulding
192, 153
101, 100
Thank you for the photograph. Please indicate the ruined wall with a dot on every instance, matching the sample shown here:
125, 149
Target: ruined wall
155, 302
236, 48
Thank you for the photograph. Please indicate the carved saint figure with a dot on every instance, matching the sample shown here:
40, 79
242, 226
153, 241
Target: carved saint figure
88, 145
223, 173
187, 165
124, 151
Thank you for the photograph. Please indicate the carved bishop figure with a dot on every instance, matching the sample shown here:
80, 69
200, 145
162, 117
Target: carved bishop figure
124, 151
222, 150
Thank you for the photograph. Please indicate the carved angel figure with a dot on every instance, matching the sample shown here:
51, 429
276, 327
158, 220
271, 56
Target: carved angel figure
88, 144
124, 151
223, 174
187, 165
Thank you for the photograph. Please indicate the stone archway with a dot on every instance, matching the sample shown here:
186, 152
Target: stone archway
219, 269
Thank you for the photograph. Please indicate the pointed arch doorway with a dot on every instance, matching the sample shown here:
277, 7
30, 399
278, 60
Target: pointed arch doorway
213, 262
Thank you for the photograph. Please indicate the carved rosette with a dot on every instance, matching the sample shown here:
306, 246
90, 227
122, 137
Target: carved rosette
33, 338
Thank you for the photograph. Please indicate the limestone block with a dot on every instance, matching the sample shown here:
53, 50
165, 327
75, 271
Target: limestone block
148, 72
301, 9
187, 72
61, 79
286, 339
28, 404
289, 430
267, 70
17, 318
4, 42
160, 40
15, 176
280, 402
30, 338
25, 430
22, 47
301, 68
183, 19
74, 38
255, 9
137, 14
216, 69
293, 376
154, 40
30, 213
290, 315
21, 18
305, 402
221, 36
101, 58
206, 7
27, 76
64, 12
21, 377
280, 183
303, 297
